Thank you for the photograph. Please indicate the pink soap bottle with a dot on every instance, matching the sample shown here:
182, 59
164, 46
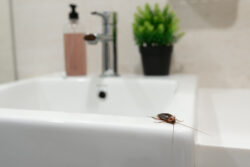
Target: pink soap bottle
74, 46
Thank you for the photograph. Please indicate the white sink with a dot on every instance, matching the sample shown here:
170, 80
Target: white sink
58, 122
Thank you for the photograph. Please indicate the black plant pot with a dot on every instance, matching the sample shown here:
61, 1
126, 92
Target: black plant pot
156, 59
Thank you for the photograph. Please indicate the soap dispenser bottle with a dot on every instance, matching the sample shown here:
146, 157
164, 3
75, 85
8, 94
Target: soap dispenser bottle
74, 45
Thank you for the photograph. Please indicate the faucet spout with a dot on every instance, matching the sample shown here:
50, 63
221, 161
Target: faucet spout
98, 14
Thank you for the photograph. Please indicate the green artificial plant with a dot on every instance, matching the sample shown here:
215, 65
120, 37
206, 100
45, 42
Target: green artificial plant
155, 27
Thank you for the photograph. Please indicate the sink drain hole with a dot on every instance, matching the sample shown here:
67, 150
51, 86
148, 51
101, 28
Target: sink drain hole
102, 94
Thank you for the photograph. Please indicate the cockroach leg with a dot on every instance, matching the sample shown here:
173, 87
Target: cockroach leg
155, 118
179, 120
160, 122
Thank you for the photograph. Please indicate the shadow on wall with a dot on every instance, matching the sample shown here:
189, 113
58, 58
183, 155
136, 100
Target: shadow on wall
205, 14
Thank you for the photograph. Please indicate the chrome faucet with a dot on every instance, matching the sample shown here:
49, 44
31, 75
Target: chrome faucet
109, 42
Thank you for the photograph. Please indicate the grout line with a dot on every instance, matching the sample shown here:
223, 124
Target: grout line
13, 36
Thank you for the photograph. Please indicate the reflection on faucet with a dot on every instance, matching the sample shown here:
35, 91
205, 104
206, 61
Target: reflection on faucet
109, 42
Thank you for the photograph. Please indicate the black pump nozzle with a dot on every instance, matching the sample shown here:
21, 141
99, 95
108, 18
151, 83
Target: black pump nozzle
73, 15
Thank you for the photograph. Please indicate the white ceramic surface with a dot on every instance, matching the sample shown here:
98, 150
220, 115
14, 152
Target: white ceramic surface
61, 122
224, 114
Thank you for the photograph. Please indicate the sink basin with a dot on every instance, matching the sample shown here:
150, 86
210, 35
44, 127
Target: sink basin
97, 122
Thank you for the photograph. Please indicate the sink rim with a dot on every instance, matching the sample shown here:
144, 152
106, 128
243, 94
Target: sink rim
76, 119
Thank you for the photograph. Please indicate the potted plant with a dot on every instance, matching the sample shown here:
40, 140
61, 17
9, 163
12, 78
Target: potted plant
155, 32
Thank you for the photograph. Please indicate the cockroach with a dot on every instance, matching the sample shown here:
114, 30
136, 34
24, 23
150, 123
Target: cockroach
169, 118
166, 117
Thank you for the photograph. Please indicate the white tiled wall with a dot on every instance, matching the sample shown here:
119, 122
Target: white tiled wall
39, 29
6, 57
215, 47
